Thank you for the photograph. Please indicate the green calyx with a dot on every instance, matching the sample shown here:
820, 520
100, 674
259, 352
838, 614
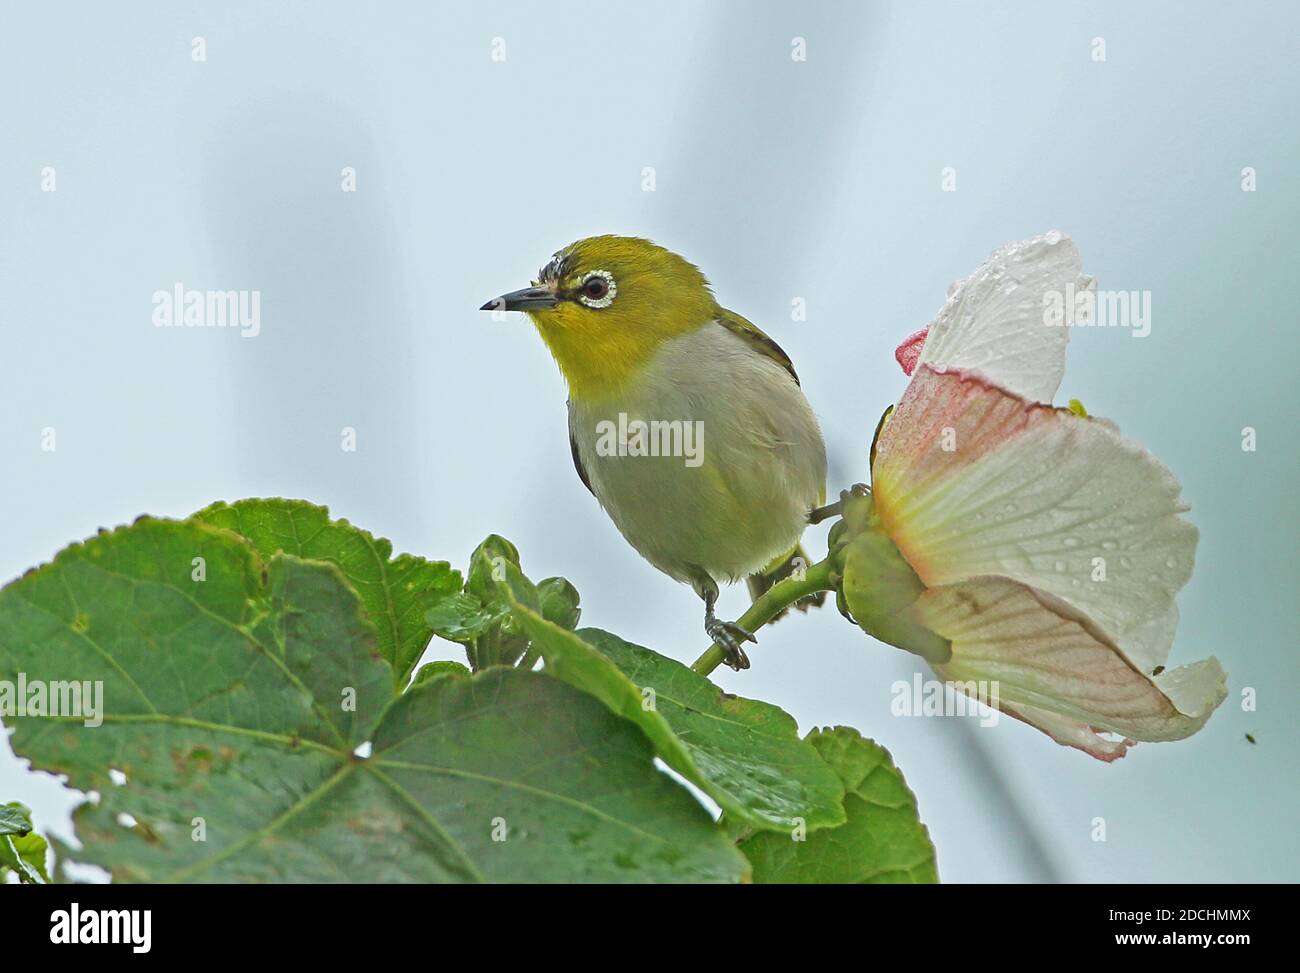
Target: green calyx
877, 587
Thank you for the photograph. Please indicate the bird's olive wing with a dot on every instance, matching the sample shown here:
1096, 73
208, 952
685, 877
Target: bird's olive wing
577, 463
759, 341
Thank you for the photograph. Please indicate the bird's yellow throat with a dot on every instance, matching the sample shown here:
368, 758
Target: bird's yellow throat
598, 361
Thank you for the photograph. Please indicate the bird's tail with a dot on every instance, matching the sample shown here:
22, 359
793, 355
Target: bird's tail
780, 569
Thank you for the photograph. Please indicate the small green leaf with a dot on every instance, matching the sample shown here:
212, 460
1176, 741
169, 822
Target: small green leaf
15, 819
743, 753
26, 857
494, 561
883, 840
396, 591
461, 617
432, 670
559, 602
22, 850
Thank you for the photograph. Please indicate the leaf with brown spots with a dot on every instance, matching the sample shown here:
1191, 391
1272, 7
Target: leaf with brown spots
262, 738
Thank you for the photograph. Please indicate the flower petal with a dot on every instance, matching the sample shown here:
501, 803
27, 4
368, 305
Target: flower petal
970, 480
993, 322
908, 353
1056, 670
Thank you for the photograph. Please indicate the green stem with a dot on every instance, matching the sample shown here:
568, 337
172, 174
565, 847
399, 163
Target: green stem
768, 605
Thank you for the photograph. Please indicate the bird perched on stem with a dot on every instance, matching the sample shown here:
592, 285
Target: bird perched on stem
685, 420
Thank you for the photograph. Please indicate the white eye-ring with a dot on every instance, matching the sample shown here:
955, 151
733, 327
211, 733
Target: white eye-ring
598, 289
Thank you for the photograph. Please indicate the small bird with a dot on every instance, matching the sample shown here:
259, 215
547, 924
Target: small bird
686, 421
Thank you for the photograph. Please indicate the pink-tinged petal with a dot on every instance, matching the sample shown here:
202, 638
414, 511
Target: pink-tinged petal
972, 481
909, 352
995, 321
1050, 666
1071, 733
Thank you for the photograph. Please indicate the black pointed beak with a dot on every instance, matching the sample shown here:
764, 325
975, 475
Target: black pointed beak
525, 299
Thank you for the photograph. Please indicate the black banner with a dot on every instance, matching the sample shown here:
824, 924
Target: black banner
336, 922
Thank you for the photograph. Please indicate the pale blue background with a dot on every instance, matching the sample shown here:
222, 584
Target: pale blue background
781, 179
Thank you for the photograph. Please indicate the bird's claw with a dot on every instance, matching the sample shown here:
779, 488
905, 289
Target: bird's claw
730, 635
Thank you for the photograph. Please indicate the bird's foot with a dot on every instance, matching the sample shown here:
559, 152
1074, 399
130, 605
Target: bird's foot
729, 635
818, 514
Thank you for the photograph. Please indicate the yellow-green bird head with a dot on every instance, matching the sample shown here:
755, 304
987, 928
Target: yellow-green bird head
605, 304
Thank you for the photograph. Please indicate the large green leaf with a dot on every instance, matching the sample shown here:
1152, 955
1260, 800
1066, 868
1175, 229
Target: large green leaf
396, 591
743, 753
22, 850
566, 778
882, 841
262, 739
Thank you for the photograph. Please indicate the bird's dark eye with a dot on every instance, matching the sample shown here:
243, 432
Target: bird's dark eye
597, 289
